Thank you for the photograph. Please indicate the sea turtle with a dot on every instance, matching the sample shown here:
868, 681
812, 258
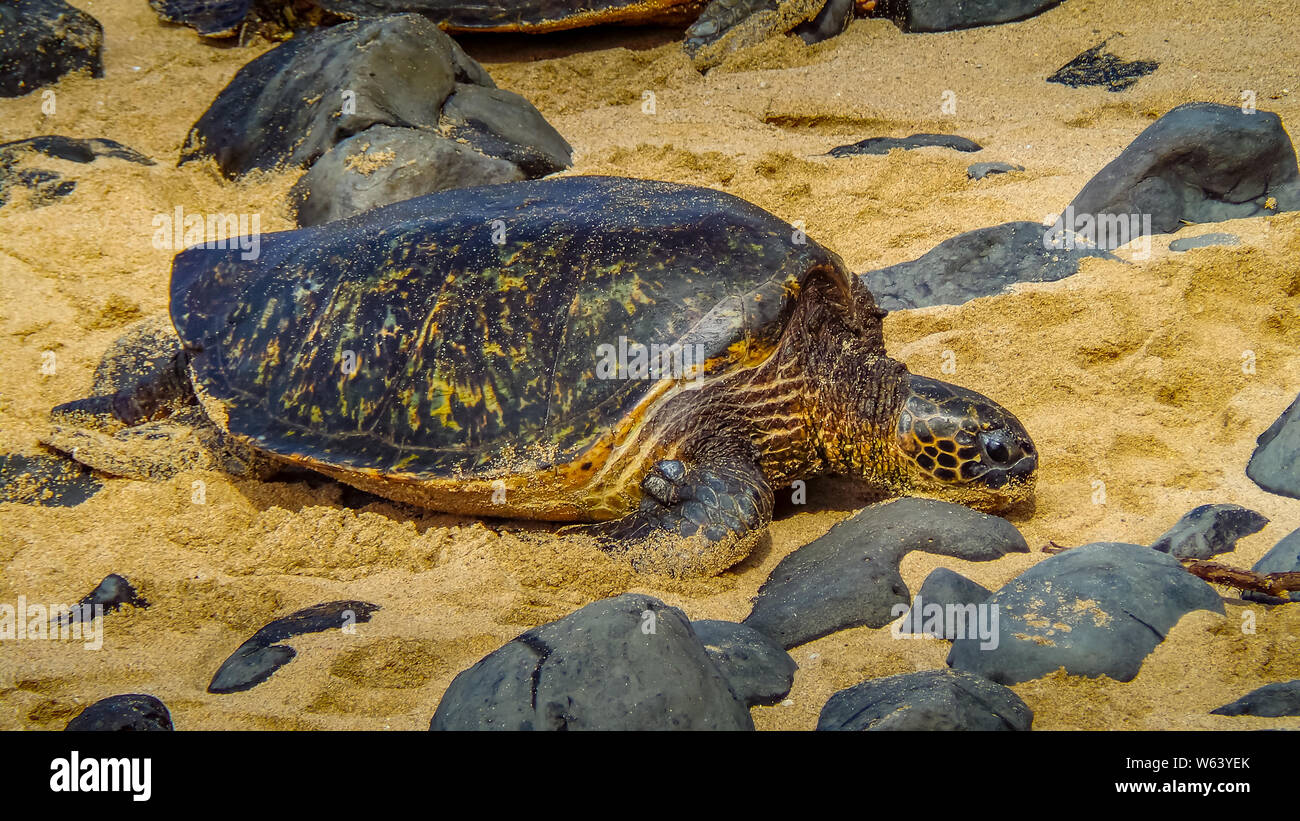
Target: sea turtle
720, 26
652, 359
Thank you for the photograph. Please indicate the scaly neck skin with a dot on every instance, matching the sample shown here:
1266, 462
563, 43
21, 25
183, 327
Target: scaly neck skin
856, 393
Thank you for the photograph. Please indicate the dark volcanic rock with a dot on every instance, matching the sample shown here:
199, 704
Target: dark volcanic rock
47, 185
1209, 530
974, 264
1204, 241
1272, 700
110, 594
929, 700
831, 21
1284, 557
947, 15
942, 587
1095, 67
849, 577
133, 712
1201, 162
757, 669
980, 170
1095, 610
1275, 464
47, 480
504, 125
883, 145
383, 165
41, 40
256, 659
626, 663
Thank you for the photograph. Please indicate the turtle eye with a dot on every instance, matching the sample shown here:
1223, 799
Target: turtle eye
996, 448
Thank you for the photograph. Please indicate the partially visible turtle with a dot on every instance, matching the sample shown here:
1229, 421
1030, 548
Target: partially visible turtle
720, 26
652, 358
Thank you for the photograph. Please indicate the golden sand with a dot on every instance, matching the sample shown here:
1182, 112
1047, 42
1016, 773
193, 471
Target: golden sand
1129, 377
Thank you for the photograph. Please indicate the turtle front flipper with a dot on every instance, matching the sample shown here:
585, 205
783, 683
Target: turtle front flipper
729, 25
696, 519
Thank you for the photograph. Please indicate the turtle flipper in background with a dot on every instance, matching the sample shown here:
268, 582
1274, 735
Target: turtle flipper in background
697, 519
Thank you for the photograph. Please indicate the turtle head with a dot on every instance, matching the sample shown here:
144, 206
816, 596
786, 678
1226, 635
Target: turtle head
962, 445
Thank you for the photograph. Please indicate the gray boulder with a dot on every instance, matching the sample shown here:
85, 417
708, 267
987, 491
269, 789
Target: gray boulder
1270, 701
1209, 530
1275, 464
42, 40
1284, 557
849, 577
947, 15
942, 587
929, 700
626, 663
133, 712
1096, 610
758, 670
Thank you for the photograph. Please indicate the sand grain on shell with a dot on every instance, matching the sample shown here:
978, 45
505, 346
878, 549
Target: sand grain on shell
1129, 376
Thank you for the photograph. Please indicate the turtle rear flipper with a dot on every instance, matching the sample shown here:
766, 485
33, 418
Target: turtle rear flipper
692, 520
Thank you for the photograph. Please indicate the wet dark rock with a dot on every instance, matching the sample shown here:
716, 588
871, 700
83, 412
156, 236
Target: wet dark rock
1284, 557
1096, 67
831, 21
46, 185
626, 663
42, 40
1275, 464
256, 659
1209, 530
929, 700
383, 165
45, 480
975, 264
1270, 701
135, 712
883, 145
1201, 162
942, 587
947, 15
1204, 241
849, 577
110, 594
1096, 610
980, 170
758, 670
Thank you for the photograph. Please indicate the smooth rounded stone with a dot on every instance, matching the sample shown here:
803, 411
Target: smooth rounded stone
382, 165
1096, 67
929, 700
296, 101
942, 587
980, 170
947, 15
830, 22
1275, 464
1209, 530
45, 480
42, 40
1200, 162
47, 185
1284, 557
626, 663
110, 594
255, 660
977, 263
504, 125
1270, 701
758, 670
849, 577
883, 145
136, 712
1096, 610
1204, 241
